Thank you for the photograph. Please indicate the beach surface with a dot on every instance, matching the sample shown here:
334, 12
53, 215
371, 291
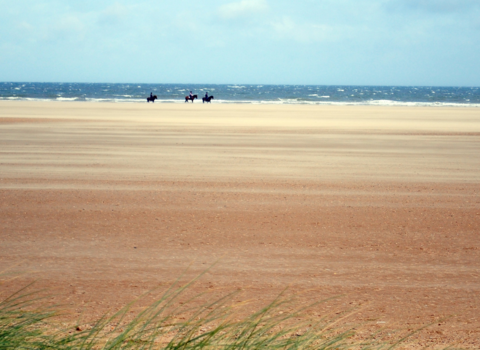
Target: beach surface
101, 202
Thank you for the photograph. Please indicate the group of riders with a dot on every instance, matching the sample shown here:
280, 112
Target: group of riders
190, 97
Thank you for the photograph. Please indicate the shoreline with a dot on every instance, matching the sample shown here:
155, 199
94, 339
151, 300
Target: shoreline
376, 103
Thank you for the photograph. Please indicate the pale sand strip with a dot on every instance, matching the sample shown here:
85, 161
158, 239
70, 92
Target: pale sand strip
331, 118
241, 141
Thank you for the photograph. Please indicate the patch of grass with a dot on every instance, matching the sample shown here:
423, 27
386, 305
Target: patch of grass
169, 324
20, 322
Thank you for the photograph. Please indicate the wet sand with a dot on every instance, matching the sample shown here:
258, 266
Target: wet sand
102, 202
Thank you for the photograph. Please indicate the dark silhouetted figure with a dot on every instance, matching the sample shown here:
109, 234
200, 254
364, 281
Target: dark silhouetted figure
190, 98
207, 99
151, 98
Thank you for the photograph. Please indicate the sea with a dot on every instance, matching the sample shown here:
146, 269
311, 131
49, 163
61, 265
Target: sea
246, 94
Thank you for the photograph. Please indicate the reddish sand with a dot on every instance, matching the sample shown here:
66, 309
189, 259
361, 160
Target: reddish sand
102, 202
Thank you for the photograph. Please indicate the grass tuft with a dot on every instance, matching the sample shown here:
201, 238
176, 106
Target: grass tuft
171, 325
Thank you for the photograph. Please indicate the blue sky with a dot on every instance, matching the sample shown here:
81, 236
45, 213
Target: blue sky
325, 42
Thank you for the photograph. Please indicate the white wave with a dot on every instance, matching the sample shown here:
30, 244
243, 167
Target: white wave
346, 103
170, 101
123, 100
66, 98
323, 96
405, 104
36, 99
289, 100
237, 87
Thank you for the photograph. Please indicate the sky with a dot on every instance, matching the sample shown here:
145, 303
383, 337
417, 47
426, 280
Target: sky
318, 42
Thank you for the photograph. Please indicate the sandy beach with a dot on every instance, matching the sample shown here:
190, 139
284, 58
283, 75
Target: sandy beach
101, 202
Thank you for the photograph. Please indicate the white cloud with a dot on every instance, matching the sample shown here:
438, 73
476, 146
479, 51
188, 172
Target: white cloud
114, 14
70, 23
242, 8
287, 28
434, 6
69, 28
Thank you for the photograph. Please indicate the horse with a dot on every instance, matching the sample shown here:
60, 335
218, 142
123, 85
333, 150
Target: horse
187, 98
152, 99
208, 99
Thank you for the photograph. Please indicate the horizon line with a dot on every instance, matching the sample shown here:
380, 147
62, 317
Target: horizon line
262, 84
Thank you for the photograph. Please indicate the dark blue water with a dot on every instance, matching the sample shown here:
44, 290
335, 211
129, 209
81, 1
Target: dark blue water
257, 94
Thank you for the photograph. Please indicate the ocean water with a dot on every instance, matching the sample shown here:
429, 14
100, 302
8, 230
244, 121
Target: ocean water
252, 94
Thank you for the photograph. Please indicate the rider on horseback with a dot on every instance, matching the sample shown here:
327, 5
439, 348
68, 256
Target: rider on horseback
151, 95
191, 95
206, 96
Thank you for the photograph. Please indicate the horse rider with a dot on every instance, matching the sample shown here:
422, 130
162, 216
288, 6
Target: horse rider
191, 95
151, 95
206, 95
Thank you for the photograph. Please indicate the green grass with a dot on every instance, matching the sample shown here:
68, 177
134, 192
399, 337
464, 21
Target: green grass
168, 324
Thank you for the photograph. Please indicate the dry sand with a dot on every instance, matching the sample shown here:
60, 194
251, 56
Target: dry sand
102, 202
